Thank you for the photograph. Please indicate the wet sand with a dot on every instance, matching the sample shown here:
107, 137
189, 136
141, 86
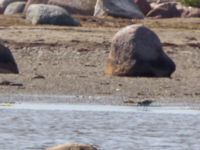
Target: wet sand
57, 60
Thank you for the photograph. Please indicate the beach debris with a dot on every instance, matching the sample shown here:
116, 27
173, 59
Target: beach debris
73, 146
117, 89
38, 76
83, 50
7, 104
90, 65
137, 51
105, 83
129, 101
10, 83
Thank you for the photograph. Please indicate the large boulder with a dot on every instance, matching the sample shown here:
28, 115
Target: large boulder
73, 147
49, 14
15, 8
137, 51
5, 3
30, 2
7, 61
143, 5
164, 10
83, 7
118, 8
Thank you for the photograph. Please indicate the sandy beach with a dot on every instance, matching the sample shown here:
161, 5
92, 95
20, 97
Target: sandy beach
56, 60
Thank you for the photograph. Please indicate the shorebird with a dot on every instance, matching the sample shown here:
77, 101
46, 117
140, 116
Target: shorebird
145, 103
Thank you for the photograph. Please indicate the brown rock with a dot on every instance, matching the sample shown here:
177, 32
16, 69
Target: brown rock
83, 7
7, 62
137, 51
73, 147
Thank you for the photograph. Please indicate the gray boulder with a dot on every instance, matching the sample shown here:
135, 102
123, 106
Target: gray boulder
5, 3
7, 61
30, 2
15, 8
118, 8
137, 51
49, 14
83, 7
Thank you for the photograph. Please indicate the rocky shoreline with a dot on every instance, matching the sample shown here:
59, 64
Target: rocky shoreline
56, 60
149, 62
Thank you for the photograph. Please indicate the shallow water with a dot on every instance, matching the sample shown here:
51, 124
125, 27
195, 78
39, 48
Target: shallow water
30, 126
